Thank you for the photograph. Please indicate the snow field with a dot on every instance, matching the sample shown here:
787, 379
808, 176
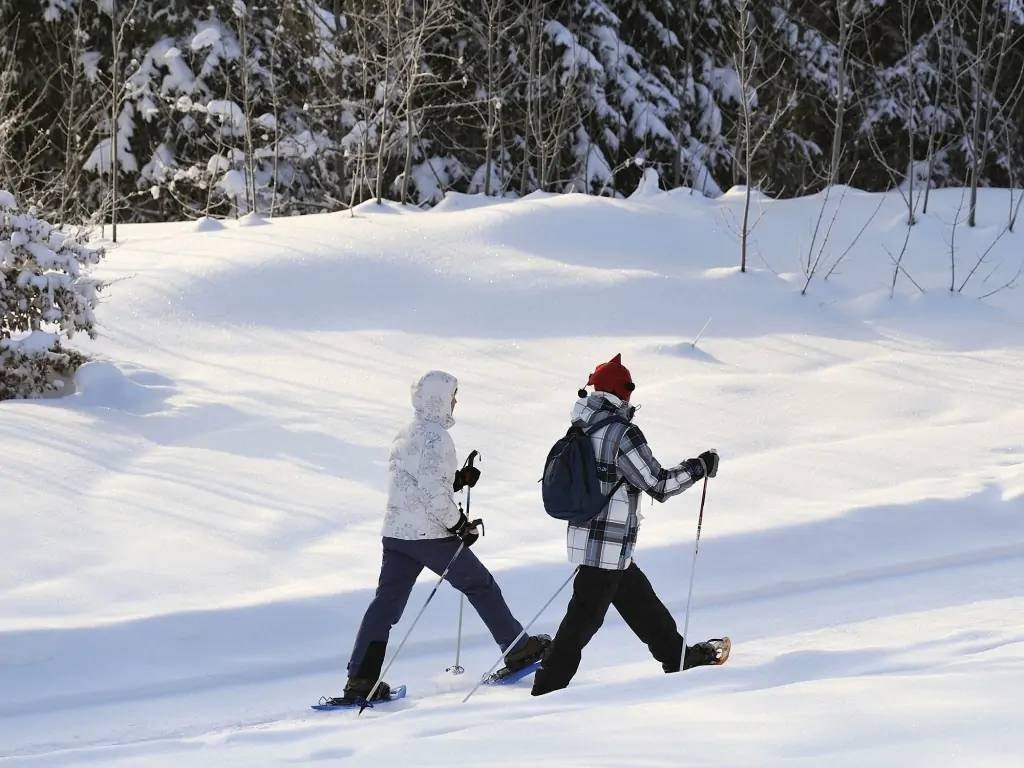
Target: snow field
190, 539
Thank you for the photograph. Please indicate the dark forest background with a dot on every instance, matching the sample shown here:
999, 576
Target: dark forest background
292, 107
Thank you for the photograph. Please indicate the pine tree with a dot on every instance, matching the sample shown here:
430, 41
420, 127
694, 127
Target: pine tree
45, 298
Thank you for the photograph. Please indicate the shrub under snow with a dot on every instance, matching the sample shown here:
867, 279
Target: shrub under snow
45, 297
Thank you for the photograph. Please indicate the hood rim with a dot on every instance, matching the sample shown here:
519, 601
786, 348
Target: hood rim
441, 413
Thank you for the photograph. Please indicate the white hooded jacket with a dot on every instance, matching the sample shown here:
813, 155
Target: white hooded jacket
422, 465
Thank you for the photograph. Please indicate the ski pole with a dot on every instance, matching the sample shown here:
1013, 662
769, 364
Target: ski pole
430, 597
521, 634
457, 668
693, 568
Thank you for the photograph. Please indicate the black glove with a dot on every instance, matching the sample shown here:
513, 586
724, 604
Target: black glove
466, 529
466, 478
694, 469
710, 459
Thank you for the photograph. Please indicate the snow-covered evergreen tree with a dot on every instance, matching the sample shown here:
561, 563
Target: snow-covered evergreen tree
45, 298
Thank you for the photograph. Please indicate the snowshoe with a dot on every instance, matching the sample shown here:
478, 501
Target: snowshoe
522, 663
713, 652
719, 648
345, 702
506, 676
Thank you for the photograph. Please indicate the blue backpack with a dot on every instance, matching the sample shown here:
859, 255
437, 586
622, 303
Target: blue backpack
570, 486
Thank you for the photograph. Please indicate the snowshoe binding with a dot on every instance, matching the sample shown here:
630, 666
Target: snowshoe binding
523, 662
713, 652
356, 692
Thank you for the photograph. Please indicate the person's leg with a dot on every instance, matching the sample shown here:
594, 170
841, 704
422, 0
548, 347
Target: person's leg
592, 592
652, 622
468, 575
398, 574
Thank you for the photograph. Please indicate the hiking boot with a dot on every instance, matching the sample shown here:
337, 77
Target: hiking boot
714, 652
358, 688
532, 651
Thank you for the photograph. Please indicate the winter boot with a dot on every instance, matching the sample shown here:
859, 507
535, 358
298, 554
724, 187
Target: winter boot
532, 651
713, 652
357, 689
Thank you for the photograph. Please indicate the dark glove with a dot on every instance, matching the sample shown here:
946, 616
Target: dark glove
466, 478
710, 459
694, 469
466, 529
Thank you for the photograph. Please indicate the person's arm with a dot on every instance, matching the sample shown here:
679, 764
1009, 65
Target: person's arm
641, 470
435, 478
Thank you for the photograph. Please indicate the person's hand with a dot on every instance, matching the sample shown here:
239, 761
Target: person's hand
467, 530
466, 477
710, 461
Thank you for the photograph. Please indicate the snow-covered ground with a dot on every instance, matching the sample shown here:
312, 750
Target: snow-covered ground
189, 541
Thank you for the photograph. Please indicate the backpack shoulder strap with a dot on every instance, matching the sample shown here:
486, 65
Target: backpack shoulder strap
613, 419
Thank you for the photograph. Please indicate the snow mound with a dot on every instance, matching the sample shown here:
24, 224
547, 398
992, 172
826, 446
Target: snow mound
460, 201
103, 385
384, 207
207, 224
648, 186
252, 219
687, 350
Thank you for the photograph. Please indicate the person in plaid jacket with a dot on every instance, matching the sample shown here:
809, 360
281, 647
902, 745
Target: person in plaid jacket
603, 547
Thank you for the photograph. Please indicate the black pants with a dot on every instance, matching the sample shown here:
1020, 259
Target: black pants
594, 590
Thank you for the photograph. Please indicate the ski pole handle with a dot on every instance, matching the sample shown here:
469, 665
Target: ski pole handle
469, 490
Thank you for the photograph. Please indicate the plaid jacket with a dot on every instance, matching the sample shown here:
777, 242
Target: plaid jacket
607, 541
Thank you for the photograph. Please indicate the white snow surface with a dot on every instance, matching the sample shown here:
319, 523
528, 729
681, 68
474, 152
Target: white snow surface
189, 540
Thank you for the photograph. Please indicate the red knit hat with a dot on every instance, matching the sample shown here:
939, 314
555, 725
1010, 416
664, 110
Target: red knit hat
612, 377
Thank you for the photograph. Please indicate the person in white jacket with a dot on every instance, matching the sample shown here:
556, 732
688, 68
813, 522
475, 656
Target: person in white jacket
423, 527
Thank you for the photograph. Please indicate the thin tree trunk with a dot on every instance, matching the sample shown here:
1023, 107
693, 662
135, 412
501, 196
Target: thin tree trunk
979, 74
908, 12
837, 133
250, 161
277, 126
947, 23
985, 132
488, 161
113, 119
411, 67
70, 132
384, 107
531, 85
684, 98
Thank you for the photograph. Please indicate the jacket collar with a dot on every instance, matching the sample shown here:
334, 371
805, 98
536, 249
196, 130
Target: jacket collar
597, 406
